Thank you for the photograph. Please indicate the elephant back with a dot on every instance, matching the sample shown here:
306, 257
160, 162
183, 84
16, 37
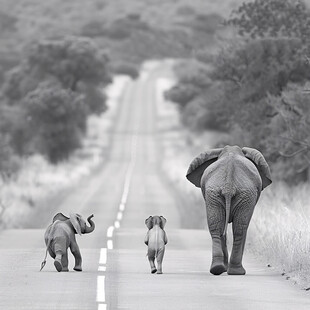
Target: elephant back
200, 164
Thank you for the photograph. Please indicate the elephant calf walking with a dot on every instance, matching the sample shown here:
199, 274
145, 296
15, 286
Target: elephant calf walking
231, 180
60, 236
156, 239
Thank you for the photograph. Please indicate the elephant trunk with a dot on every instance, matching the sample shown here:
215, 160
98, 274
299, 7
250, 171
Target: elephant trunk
89, 229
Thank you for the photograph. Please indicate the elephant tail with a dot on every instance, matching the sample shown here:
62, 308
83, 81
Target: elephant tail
227, 212
44, 260
48, 243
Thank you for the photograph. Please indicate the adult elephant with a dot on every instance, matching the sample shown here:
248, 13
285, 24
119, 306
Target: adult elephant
60, 235
231, 180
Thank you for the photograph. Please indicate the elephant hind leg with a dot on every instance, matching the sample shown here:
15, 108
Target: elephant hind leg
151, 257
235, 264
64, 261
159, 259
240, 223
220, 257
216, 223
58, 264
59, 246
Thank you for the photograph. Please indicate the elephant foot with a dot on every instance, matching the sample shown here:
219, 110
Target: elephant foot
236, 270
153, 270
218, 269
218, 266
58, 265
65, 269
77, 268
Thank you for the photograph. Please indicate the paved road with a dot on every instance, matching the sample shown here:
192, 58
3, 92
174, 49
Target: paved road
116, 275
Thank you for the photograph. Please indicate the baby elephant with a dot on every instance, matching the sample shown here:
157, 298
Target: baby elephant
156, 239
60, 235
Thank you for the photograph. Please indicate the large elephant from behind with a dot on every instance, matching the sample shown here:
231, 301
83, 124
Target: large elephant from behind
60, 236
231, 180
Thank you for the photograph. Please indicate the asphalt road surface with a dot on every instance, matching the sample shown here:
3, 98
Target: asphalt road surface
116, 274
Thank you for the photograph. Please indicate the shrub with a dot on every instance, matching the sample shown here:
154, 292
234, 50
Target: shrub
95, 99
182, 94
126, 68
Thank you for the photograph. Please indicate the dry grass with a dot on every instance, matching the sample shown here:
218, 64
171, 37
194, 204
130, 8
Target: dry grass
280, 231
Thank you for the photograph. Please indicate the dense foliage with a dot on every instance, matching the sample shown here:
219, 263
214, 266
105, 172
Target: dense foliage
273, 18
51, 53
51, 93
257, 92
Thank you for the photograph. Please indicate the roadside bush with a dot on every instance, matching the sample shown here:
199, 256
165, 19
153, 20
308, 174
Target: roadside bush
126, 68
193, 80
95, 99
182, 94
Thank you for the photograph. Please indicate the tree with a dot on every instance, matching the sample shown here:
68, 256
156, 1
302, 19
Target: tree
52, 91
57, 119
292, 127
272, 18
71, 60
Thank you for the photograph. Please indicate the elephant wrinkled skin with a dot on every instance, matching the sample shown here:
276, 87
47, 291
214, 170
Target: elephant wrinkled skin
60, 235
231, 180
156, 239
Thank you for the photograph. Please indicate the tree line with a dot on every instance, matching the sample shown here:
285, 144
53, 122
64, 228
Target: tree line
45, 100
255, 88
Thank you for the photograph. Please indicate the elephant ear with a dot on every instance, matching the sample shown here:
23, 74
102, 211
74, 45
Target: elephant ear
163, 222
258, 159
60, 217
200, 164
74, 219
149, 222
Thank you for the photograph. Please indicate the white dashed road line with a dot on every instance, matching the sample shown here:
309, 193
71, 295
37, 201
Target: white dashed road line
101, 295
100, 289
103, 256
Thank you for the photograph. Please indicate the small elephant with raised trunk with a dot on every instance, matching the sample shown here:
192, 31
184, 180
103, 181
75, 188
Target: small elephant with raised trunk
156, 239
60, 236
